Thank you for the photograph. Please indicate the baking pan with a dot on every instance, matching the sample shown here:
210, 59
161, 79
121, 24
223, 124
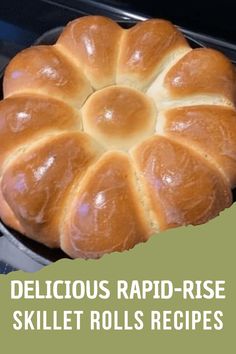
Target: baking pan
23, 253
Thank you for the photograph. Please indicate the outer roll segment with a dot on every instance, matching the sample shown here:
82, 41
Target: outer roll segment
145, 48
105, 214
211, 130
44, 70
93, 42
37, 185
182, 188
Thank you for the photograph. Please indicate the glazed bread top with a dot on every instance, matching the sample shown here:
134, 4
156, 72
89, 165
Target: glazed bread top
113, 134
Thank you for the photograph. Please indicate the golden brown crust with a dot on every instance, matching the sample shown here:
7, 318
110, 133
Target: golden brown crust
119, 117
212, 129
56, 188
105, 215
202, 71
94, 42
7, 215
44, 70
37, 184
182, 187
143, 49
26, 118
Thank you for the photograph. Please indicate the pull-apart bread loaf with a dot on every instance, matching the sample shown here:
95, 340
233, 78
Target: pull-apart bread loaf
112, 135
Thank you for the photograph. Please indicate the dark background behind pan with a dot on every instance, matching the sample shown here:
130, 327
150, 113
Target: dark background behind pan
34, 23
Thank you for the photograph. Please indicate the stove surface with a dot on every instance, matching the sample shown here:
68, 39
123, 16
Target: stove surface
6, 268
